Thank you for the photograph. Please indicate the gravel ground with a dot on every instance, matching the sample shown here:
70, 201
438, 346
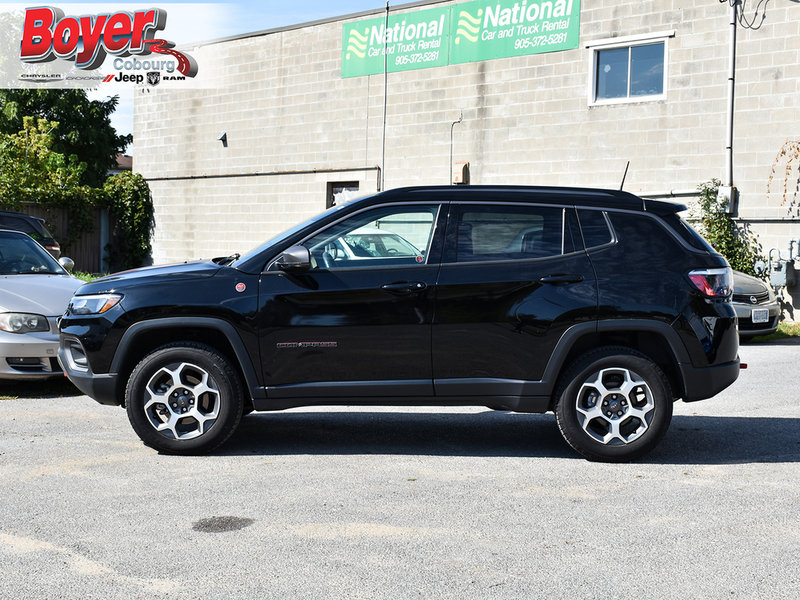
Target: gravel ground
406, 503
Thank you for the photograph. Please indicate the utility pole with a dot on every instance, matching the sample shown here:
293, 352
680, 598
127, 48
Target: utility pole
385, 90
454, 123
727, 192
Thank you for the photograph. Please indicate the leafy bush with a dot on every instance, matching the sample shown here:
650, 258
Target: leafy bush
130, 207
735, 243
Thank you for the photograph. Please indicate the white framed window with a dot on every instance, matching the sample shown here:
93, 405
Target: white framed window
629, 69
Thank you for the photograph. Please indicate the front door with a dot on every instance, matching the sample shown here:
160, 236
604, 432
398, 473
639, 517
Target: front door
358, 323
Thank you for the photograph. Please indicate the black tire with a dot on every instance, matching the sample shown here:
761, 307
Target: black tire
613, 404
205, 399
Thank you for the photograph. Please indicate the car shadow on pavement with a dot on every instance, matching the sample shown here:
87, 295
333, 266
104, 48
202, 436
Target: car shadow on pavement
727, 440
490, 433
55, 387
690, 439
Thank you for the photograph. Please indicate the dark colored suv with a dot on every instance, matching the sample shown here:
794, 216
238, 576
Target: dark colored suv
595, 304
33, 226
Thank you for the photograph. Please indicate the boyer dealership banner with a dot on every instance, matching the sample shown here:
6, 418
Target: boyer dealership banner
460, 33
90, 45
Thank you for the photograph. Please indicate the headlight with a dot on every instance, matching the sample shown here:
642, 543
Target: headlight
23, 322
93, 305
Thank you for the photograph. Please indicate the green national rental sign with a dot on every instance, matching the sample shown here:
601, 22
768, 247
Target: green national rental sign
460, 33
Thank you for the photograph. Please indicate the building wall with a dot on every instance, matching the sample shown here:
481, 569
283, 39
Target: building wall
286, 108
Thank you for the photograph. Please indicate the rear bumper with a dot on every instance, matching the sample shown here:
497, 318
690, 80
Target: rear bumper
704, 382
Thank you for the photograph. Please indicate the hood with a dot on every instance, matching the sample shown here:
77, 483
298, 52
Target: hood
46, 295
172, 272
747, 284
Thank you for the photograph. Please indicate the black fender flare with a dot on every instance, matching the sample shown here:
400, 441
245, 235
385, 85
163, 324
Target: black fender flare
559, 356
136, 330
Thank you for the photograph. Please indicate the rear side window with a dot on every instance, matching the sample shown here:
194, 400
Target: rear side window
33, 228
689, 235
645, 233
595, 228
18, 224
501, 232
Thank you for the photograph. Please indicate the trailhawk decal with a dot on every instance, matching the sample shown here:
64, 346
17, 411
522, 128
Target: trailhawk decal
293, 345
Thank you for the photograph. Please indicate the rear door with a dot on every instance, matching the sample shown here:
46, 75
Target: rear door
514, 277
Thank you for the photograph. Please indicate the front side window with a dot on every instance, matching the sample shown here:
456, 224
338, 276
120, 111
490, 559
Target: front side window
626, 73
386, 236
489, 233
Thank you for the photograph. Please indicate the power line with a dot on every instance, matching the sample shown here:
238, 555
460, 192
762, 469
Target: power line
754, 22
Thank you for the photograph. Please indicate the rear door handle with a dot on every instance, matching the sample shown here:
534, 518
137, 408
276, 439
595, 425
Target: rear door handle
562, 278
404, 287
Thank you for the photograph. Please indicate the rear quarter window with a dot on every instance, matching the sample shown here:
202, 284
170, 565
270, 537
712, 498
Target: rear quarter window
687, 233
645, 234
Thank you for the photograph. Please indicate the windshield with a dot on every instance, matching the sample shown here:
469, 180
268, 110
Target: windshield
19, 254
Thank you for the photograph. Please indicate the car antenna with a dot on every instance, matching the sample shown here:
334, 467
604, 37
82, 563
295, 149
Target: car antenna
624, 175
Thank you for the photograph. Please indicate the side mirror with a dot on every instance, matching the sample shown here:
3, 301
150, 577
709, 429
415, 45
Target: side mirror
296, 258
67, 263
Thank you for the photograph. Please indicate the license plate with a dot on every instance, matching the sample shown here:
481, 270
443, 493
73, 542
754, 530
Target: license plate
760, 315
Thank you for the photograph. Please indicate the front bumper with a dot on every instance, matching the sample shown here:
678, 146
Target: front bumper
99, 387
27, 356
746, 326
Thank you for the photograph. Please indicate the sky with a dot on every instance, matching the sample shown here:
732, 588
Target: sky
236, 18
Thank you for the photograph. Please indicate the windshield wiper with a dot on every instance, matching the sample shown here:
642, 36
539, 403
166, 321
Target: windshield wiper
226, 260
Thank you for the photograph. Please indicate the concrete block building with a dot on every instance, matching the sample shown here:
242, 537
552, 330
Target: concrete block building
534, 92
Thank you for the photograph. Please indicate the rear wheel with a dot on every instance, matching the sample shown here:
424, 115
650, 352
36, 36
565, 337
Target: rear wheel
184, 398
613, 404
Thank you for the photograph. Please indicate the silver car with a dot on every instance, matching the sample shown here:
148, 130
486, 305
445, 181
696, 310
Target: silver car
34, 292
757, 309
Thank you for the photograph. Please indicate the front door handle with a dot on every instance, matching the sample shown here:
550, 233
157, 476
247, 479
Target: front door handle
404, 287
562, 278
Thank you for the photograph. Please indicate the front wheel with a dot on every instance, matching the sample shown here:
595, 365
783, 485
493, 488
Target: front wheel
613, 404
184, 398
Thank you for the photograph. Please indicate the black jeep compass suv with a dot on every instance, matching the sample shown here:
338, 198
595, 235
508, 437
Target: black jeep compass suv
595, 304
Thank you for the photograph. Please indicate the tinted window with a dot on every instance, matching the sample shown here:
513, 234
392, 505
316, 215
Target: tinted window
572, 233
395, 235
683, 229
595, 228
32, 227
644, 233
17, 224
508, 233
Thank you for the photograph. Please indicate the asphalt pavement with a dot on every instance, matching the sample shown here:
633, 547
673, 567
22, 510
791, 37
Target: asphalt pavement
400, 503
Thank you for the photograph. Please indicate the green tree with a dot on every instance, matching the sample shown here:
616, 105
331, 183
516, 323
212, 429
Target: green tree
735, 243
84, 126
31, 171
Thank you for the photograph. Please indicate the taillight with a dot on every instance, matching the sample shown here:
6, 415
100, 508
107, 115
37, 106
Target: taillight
716, 283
